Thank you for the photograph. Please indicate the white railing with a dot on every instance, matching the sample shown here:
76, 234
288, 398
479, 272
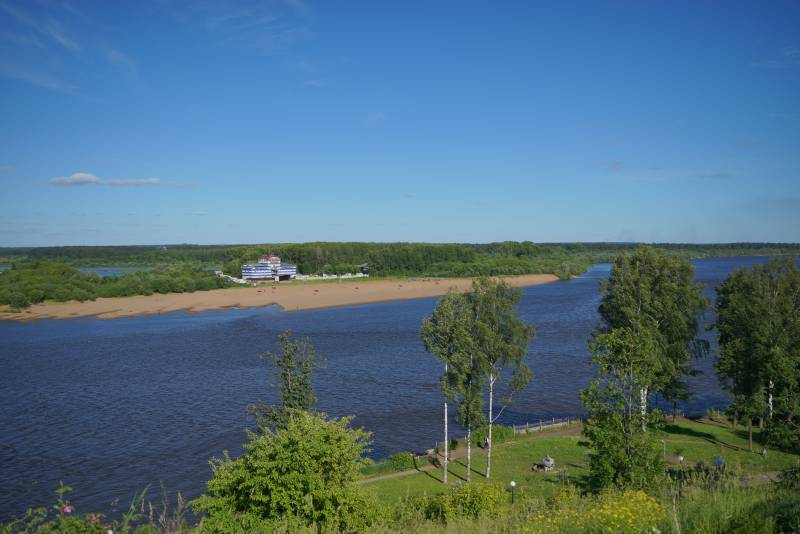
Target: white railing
544, 424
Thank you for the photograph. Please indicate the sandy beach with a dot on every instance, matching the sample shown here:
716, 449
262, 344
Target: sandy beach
290, 297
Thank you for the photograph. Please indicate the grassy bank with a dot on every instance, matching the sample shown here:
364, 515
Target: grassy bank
696, 441
750, 495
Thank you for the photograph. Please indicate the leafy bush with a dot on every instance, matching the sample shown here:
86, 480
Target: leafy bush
36, 281
401, 461
500, 433
64, 518
789, 479
469, 500
303, 475
783, 434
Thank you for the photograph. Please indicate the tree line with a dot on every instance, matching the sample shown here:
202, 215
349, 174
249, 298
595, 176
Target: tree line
384, 259
645, 342
35, 281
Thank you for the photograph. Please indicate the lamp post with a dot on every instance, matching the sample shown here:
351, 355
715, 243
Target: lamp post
513, 485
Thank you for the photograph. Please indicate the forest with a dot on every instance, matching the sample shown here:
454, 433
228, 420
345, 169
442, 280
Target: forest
51, 273
30, 282
384, 259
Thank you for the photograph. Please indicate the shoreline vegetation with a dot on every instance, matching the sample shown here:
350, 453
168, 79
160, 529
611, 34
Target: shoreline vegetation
751, 493
290, 297
46, 282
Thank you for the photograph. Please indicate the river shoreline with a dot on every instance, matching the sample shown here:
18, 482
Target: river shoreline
290, 297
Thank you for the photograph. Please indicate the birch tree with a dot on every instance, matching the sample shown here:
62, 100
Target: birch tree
758, 325
448, 333
624, 454
465, 382
501, 342
650, 289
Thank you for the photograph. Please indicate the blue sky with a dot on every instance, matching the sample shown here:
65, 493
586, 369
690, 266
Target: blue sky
291, 120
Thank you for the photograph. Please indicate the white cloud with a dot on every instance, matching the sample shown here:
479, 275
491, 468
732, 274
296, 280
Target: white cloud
122, 63
34, 76
787, 57
85, 178
299, 7
375, 116
22, 39
266, 27
59, 35
712, 174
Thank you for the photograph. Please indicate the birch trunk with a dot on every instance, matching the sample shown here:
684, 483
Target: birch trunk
769, 401
446, 442
489, 455
469, 453
643, 405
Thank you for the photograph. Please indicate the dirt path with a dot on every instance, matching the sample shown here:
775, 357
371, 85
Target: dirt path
462, 452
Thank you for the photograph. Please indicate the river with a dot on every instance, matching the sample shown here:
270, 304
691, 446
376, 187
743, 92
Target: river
110, 406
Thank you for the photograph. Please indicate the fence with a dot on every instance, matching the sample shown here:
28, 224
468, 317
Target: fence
545, 424
527, 428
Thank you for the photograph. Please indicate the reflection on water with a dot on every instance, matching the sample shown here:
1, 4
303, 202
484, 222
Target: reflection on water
112, 406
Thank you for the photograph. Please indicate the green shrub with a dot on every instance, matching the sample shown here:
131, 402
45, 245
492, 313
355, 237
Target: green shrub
401, 461
36, 281
303, 475
789, 479
500, 433
771, 513
469, 500
16, 300
64, 518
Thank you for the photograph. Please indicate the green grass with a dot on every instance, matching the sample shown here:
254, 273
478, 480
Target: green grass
704, 442
385, 466
513, 461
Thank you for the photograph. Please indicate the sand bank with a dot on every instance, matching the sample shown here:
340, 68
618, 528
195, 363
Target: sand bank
289, 296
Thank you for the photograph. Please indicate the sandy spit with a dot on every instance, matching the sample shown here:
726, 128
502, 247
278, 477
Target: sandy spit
290, 297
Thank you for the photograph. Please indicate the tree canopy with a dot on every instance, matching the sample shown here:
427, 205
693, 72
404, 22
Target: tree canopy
649, 313
448, 333
500, 341
758, 325
651, 290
